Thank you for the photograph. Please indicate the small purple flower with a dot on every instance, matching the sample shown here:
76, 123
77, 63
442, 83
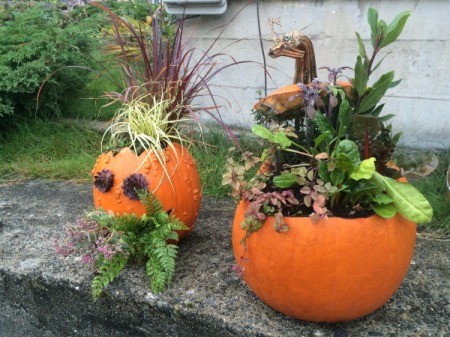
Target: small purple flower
85, 224
239, 270
311, 96
106, 250
87, 259
333, 73
103, 180
63, 250
132, 184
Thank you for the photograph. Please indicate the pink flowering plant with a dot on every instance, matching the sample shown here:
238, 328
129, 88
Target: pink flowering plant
107, 242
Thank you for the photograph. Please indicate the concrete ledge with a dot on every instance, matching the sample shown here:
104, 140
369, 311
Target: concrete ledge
42, 295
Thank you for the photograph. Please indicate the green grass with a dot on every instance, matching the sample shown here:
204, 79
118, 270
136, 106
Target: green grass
48, 150
88, 103
210, 154
434, 188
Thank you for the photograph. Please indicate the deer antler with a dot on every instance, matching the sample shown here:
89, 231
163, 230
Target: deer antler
272, 23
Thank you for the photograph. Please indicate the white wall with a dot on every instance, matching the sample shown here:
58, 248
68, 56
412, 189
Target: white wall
420, 57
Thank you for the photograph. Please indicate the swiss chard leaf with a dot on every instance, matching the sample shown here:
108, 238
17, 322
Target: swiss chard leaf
365, 170
408, 201
386, 211
366, 126
336, 177
345, 163
350, 149
323, 171
324, 124
382, 199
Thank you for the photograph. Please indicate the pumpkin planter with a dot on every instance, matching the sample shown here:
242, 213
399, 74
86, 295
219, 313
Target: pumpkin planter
334, 270
177, 187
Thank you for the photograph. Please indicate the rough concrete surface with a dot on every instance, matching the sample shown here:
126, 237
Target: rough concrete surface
43, 295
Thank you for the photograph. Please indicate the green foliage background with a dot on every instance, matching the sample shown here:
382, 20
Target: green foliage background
40, 45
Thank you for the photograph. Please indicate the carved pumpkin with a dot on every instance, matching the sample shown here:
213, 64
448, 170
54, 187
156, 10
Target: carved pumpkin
334, 270
181, 194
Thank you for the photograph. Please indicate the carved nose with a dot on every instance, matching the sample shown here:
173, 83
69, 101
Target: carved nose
271, 53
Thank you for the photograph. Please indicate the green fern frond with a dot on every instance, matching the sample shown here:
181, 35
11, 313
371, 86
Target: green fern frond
172, 236
127, 223
107, 272
151, 203
158, 279
176, 224
161, 267
161, 261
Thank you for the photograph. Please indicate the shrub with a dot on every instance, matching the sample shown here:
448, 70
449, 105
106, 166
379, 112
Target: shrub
37, 42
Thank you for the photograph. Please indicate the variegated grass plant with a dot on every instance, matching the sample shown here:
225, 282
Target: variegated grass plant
144, 125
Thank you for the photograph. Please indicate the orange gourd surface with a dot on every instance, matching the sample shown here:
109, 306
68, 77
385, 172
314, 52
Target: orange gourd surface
182, 194
333, 270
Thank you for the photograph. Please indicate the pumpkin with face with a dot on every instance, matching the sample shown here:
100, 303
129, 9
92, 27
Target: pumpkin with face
175, 182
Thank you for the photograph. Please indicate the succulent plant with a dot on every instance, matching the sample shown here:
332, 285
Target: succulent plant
134, 183
103, 180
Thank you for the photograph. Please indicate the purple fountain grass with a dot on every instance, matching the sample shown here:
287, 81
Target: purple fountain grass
168, 67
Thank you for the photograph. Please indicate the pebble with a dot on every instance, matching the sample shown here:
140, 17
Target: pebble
211, 301
190, 292
150, 297
340, 333
229, 259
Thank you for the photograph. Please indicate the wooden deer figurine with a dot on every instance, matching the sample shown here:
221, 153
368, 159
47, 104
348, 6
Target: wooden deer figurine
299, 47
284, 101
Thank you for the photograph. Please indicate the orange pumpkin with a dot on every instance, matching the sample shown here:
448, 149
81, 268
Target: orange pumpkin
333, 270
181, 193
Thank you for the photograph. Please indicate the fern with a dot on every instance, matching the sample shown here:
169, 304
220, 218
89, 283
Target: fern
151, 203
107, 272
161, 266
112, 240
161, 255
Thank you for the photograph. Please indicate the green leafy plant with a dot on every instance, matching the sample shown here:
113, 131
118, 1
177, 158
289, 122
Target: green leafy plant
36, 41
108, 242
338, 160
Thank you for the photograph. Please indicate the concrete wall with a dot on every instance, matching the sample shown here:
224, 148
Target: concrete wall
420, 57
